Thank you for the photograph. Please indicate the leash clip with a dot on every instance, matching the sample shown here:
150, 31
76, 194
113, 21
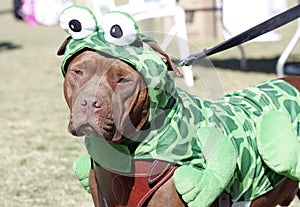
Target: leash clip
191, 59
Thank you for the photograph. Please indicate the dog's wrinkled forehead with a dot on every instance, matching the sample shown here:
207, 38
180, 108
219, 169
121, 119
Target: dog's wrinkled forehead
117, 35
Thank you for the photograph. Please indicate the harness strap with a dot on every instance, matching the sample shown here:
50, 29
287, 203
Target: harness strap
135, 188
224, 200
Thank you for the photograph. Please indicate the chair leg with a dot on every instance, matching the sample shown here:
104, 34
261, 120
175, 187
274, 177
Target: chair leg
283, 57
243, 59
183, 44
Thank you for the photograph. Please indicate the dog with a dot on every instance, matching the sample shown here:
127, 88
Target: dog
152, 144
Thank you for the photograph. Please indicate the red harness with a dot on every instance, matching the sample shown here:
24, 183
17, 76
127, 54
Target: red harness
133, 189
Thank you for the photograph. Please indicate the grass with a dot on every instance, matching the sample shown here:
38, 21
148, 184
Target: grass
36, 152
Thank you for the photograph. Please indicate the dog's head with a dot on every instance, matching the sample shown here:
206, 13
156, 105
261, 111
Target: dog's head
116, 79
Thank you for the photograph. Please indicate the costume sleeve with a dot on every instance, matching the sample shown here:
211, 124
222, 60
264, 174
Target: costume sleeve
278, 144
82, 167
200, 187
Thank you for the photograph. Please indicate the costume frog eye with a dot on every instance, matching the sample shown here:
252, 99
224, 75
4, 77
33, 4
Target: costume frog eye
78, 22
119, 28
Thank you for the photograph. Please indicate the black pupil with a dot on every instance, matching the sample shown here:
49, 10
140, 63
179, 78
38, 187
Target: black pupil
116, 31
75, 25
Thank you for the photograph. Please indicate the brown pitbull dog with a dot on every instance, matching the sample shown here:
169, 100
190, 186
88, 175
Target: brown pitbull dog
94, 85
153, 144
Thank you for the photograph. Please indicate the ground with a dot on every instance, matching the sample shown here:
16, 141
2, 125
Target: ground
35, 149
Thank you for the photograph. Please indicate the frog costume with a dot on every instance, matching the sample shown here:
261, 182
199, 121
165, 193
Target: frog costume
232, 144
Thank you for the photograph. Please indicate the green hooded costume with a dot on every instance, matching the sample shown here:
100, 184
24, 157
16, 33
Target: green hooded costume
232, 144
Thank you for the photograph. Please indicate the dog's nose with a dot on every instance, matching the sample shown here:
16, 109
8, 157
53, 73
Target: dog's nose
91, 101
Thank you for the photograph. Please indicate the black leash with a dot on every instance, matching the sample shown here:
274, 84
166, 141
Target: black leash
260, 29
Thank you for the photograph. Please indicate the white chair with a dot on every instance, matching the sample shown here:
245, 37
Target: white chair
249, 13
283, 57
148, 9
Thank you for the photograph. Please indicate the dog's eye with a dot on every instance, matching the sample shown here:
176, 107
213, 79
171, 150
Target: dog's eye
78, 22
78, 72
119, 28
124, 80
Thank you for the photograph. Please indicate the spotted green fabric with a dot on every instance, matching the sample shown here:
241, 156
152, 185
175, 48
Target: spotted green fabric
240, 115
205, 138
237, 115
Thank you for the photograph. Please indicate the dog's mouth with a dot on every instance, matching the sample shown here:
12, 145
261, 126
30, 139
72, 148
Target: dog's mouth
107, 132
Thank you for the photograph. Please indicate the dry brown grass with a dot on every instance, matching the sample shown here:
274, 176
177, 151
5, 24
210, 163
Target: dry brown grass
36, 152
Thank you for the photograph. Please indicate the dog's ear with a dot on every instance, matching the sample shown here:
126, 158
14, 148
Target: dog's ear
61, 50
165, 57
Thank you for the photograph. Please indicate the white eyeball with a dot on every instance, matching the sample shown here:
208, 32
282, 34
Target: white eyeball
78, 22
119, 28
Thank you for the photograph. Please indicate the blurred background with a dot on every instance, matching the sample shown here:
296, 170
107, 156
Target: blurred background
35, 149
